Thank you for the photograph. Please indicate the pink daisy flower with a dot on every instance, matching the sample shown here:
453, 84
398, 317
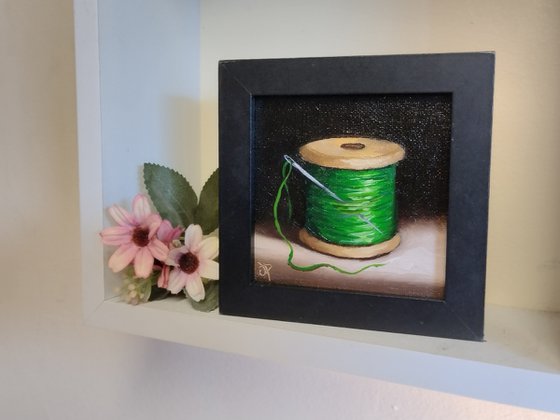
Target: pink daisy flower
136, 237
192, 262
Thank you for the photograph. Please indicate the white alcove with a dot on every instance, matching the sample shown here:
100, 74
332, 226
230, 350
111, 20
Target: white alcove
147, 92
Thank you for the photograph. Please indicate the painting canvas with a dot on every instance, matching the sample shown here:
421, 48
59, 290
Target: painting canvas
360, 127
354, 190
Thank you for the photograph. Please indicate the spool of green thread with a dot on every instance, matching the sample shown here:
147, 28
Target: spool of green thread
360, 221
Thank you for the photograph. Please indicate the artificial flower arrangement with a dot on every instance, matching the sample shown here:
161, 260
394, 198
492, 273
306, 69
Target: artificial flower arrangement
171, 250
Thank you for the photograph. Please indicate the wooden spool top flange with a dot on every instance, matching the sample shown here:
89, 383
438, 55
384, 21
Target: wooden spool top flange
352, 153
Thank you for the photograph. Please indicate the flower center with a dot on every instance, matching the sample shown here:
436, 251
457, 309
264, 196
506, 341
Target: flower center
188, 262
140, 236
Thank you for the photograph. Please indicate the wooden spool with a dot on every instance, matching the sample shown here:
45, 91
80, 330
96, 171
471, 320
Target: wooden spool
356, 153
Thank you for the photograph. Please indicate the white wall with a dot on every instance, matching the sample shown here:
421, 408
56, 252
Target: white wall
54, 367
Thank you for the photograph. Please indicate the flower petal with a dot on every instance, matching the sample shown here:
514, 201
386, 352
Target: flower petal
208, 249
163, 279
177, 280
176, 233
209, 269
122, 217
166, 233
174, 255
152, 222
141, 207
164, 230
122, 257
116, 235
143, 263
195, 288
158, 249
193, 236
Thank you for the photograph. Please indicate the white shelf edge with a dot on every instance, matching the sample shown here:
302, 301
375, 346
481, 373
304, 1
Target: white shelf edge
88, 103
384, 356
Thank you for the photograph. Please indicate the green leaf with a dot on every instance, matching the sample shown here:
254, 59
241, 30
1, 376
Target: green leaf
210, 301
171, 193
206, 214
158, 293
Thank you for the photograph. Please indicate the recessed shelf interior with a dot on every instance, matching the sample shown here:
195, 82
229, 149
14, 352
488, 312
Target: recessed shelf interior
144, 95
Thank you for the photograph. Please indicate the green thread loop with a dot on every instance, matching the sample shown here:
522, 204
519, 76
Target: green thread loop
286, 172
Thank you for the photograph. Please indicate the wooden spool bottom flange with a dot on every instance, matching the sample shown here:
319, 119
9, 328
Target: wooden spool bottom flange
349, 251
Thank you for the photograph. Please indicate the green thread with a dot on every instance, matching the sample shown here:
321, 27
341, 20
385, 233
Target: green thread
286, 172
366, 214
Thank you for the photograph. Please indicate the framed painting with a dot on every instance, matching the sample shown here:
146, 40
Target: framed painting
354, 191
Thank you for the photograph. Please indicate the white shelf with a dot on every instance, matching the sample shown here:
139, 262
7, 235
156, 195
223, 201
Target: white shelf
518, 364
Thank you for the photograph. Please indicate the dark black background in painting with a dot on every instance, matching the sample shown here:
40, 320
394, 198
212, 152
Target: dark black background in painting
421, 123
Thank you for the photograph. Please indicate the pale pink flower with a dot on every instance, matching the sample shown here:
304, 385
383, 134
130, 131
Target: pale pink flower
136, 237
193, 261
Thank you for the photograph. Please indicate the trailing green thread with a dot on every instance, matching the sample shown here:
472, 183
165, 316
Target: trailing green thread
366, 214
286, 172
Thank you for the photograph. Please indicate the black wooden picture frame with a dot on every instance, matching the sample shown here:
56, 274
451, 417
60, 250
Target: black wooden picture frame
468, 78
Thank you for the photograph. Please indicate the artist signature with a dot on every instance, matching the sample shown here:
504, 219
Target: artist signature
263, 270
